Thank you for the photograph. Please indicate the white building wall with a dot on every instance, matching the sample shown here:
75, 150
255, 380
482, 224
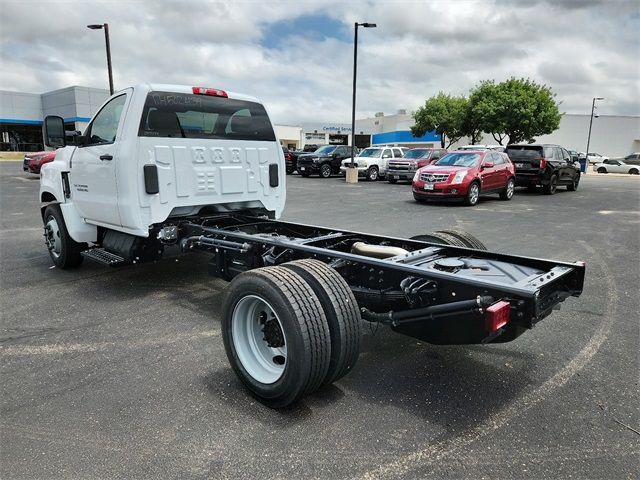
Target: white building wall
613, 136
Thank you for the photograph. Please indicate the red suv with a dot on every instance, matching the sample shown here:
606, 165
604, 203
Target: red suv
467, 175
33, 161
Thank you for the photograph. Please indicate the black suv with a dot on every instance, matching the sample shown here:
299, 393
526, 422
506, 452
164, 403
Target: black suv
544, 164
324, 161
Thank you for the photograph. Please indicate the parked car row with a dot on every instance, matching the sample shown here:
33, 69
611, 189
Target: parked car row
464, 174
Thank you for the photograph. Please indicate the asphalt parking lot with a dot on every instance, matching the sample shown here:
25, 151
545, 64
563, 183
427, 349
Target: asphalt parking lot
121, 373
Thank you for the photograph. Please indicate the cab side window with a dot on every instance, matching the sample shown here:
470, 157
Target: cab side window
104, 126
397, 153
386, 153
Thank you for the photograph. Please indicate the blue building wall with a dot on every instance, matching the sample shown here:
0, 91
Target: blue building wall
400, 136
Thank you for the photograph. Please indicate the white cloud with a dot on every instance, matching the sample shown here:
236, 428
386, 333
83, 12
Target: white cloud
579, 48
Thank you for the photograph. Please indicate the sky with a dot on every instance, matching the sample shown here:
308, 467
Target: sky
297, 56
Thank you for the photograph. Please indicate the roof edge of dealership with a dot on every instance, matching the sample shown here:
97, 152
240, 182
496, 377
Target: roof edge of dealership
22, 114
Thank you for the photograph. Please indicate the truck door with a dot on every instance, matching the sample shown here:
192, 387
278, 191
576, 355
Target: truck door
93, 166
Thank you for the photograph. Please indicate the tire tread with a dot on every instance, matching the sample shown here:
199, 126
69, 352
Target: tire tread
345, 330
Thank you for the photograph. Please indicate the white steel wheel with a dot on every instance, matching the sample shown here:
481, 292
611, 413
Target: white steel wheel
275, 335
259, 339
63, 250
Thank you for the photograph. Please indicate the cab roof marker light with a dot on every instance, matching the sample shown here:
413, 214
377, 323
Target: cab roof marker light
213, 92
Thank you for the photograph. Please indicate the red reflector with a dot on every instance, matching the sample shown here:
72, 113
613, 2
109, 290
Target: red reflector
214, 92
497, 315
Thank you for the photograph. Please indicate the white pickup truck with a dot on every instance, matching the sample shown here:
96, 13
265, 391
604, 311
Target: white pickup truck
372, 162
202, 169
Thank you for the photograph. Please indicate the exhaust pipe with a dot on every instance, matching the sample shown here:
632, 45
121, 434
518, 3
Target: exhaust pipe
377, 251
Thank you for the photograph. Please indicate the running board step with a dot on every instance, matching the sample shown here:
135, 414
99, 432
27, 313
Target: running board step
100, 255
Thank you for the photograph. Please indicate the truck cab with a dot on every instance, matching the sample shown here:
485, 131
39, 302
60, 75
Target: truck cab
154, 152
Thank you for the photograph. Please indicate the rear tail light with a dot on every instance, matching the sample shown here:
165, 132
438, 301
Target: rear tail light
543, 164
497, 315
213, 92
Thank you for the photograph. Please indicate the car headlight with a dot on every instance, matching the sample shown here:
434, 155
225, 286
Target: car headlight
416, 176
459, 177
316, 159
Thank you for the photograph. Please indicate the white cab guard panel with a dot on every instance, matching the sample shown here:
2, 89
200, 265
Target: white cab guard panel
192, 173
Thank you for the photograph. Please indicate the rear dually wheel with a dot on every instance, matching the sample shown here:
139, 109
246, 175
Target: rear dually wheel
276, 335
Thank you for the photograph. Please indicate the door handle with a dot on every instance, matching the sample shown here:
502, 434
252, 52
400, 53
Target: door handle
106, 157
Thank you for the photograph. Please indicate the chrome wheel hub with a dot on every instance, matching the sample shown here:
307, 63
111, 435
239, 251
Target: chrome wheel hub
52, 237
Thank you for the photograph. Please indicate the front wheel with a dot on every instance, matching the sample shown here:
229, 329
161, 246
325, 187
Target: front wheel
372, 173
325, 170
473, 195
602, 170
63, 250
276, 335
507, 193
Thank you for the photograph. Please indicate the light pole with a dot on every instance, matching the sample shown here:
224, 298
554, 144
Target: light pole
586, 154
105, 27
353, 104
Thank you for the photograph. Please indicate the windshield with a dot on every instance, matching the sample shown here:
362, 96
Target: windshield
370, 152
327, 149
459, 160
417, 153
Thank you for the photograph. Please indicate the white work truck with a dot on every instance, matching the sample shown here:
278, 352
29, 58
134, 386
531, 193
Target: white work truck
201, 169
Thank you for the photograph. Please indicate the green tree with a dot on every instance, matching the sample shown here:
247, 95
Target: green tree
519, 109
443, 113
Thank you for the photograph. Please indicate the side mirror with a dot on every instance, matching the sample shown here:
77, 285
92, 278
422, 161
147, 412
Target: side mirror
53, 132
487, 165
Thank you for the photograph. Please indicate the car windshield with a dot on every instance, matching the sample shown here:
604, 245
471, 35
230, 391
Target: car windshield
417, 153
325, 150
459, 160
370, 152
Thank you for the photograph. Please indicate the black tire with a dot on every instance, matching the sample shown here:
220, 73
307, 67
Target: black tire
340, 308
634, 171
63, 250
469, 240
573, 186
472, 198
509, 189
551, 187
391, 180
602, 170
372, 173
325, 170
303, 325
441, 238
305, 174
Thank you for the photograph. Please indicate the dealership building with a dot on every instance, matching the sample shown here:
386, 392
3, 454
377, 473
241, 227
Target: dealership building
22, 114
